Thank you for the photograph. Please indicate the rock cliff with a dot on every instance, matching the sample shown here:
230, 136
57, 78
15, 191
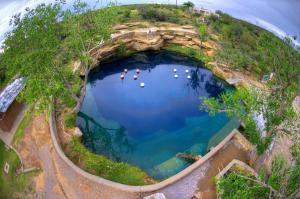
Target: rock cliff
139, 37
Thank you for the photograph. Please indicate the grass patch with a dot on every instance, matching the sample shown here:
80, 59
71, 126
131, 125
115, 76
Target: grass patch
70, 120
24, 123
11, 183
101, 166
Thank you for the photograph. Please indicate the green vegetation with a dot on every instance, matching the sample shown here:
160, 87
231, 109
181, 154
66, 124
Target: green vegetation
24, 123
241, 104
203, 33
248, 47
189, 52
102, 166
70, 120
283, 180
240, 183
11, 183
189, 6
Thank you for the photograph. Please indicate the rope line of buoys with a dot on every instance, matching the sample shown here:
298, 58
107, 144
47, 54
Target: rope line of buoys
186, 71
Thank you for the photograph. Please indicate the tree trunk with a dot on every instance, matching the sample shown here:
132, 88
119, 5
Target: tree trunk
82, 93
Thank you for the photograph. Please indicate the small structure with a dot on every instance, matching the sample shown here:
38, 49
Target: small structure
9, 107
156, 196
267, 77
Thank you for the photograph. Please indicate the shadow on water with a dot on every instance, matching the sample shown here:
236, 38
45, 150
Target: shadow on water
103, 140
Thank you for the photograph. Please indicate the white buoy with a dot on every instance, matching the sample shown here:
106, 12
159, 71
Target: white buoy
189, 77
137, 71
187, 71
175, 70
176, 76
142, 84
125, 70
135, 77
122, 76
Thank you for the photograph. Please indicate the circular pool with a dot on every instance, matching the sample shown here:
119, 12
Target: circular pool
145, 110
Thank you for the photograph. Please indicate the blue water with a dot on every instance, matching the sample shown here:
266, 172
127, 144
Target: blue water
148, 126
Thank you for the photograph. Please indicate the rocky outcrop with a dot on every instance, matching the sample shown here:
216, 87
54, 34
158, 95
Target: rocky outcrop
150, 37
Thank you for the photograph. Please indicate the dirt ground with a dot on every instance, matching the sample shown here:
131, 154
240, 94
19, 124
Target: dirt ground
35, 149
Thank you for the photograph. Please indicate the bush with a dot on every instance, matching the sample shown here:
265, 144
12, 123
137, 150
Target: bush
152, 14
232, 186
134, 14
70, 120
121, 50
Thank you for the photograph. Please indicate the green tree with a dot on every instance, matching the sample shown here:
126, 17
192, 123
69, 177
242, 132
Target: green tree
46, 40
86, 29
189, 6
282, 181
203, 33
274, 102
31, 50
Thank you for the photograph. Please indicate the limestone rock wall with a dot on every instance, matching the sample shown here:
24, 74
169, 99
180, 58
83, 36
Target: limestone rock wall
151, 37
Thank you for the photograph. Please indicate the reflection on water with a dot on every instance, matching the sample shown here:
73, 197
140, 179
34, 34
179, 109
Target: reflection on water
148, 126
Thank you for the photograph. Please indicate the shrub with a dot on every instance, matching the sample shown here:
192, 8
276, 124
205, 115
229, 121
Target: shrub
152, 14
232, 186
121, 50
134, 14
70, 120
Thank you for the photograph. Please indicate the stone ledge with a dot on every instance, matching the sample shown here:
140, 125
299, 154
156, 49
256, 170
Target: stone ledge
151, 38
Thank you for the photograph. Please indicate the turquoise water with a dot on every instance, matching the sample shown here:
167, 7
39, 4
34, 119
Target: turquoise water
148, 126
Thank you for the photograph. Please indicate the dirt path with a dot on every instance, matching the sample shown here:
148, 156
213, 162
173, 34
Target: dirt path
35, 149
